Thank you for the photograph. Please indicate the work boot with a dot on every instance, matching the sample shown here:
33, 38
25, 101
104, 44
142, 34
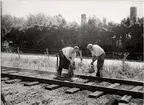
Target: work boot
70, 73
99, 73
59, 73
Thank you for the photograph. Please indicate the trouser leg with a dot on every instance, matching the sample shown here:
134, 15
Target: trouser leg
99, 68
98, 73
59, 71
71, 70
70, 73
100, 63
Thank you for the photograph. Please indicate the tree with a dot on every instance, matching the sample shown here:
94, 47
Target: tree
38, 19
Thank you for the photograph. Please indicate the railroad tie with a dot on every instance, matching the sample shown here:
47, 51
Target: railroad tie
51, 87
15, 73
127, 98
12, 81
4, 79
30, 83
113, 85
90, 83
3, 69
96, 94
72, 90
9, 71
112, 101
34, 75
24, 73
79, 80
137, 88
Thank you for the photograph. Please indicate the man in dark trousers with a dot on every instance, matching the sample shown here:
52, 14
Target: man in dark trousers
98, 54
66, 60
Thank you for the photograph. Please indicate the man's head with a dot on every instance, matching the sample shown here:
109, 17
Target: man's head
89, 46
76, 48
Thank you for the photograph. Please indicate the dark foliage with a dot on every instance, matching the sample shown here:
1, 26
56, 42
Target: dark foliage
40, 32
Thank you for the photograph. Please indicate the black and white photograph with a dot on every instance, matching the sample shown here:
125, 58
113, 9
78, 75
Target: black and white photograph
72, 52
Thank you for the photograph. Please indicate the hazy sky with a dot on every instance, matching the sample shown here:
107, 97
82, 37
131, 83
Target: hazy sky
71, 10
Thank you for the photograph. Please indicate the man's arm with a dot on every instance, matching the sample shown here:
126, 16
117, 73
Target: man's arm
68, 57
71, 59
94, 59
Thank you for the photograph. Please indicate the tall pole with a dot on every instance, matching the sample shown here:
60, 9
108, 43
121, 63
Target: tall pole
18, 51
0, 15
47, 52
0, 21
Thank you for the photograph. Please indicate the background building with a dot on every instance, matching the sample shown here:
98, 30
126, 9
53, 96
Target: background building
83, 19
133, 14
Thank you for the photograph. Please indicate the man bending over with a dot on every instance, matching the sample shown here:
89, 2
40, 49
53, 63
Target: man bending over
66, 60
98, 54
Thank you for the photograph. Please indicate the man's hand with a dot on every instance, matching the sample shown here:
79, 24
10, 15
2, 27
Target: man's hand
72, 65
71, 62
91, 63
81, 60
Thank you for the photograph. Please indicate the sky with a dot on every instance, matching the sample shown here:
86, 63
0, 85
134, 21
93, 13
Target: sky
71, 10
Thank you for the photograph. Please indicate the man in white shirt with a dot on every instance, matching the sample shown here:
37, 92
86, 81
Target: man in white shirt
98, 54
66, 60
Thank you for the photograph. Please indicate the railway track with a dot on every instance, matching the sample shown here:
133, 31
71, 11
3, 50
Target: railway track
99, 86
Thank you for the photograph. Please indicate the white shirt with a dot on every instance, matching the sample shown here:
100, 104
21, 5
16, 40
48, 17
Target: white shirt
96, 50
68, 52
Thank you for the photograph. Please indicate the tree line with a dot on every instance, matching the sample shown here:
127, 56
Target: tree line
42, 31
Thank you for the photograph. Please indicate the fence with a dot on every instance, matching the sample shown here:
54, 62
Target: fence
109, 55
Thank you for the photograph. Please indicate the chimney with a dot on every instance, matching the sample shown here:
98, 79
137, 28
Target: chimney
83, 19
133, 14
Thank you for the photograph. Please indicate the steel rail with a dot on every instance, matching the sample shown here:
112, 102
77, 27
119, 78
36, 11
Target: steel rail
111, 80
135, 94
